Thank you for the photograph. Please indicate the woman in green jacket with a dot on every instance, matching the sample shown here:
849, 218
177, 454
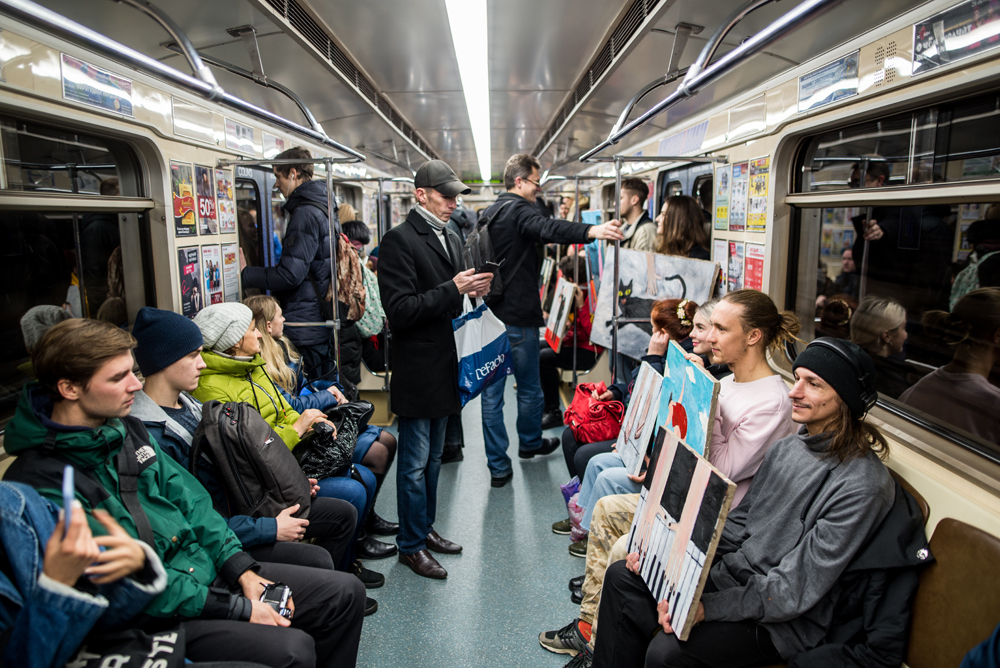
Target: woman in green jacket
235, 371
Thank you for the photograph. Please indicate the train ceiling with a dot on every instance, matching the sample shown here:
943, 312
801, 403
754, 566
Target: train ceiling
405, 96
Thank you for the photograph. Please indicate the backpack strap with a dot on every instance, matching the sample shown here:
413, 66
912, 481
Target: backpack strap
127, 463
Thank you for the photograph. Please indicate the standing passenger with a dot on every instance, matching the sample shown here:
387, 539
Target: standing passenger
514, 235
637, 227
422, 282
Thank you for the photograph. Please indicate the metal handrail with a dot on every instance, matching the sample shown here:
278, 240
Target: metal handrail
708, 52
646, 90
695, 81
56, 24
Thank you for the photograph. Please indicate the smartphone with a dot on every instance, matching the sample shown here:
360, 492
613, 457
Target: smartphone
489, 267
68, 493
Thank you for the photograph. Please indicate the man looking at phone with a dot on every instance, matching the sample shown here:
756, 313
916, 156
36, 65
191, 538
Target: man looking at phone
78, 413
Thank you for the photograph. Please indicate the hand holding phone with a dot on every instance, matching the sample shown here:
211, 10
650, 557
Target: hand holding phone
490, 267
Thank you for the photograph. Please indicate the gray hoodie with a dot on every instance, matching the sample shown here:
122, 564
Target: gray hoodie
785, 546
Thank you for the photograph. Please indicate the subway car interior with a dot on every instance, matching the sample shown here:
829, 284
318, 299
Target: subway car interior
841, 157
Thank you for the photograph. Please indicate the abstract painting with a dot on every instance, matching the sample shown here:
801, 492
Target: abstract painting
688, 400
640, 419
562, 306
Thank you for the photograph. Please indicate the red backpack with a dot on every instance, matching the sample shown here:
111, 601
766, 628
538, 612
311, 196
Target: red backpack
592, 420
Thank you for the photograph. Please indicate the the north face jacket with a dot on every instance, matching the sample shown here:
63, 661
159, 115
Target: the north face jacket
192, 540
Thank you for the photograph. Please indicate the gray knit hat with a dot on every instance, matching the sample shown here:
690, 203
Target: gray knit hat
223, 325
39, 320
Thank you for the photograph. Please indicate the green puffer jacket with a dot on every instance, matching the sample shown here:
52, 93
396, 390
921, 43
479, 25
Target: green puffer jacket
192, 540
228, 379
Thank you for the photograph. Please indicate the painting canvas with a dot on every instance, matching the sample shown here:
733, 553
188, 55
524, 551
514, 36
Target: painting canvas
688, 400
644, 278
640, 419
562, 306
683, 505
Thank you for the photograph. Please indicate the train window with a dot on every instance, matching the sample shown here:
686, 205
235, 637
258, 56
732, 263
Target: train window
43, 158
919, 288
943, 143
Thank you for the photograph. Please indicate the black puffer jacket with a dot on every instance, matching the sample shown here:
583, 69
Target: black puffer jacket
305, 254
871, 623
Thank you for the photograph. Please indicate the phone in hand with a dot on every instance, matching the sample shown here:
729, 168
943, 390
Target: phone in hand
490, 267
68, 494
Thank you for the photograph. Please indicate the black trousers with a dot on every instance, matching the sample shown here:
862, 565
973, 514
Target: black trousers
325, 630
454, 435
549, 364
632, 637
316, 361
332, 523
577, 455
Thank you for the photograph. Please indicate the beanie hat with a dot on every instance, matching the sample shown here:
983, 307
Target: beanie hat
836, 370
39, 320
163, 338
223, 325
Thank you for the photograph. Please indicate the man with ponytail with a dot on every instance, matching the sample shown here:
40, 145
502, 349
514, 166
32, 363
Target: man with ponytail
815, 501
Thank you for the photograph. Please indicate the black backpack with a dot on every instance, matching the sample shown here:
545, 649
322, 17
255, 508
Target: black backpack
259, 474
479, 250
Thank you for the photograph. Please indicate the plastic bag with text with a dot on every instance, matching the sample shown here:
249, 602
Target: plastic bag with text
483, 350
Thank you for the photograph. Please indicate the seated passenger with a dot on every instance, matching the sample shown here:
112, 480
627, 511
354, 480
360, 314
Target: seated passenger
771, 592
960, 392
550, 362
681, 228
168, 355
78, 413
34, 323
879, 328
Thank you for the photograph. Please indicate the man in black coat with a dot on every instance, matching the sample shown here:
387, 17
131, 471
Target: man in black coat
302, 276
422, 282
515, 231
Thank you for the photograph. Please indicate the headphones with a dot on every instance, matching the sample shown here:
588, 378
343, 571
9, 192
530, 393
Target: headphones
868, 396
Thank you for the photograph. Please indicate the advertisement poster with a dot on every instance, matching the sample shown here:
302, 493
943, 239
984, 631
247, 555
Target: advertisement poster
211, 264
955, 34
738, 198
720, 255
182, 185
272, 145
722, 197
205, 186
759, 169
231, 272
239, 137
90, 85
189, 274
226, 200
754, 277
735, 273
834, 81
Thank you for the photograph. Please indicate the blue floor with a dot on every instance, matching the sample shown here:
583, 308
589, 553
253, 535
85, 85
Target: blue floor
508, 585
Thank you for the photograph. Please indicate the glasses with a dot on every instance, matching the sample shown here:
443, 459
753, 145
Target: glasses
534, 183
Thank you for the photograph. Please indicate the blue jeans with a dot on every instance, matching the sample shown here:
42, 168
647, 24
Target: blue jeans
418, 463
530, 402
606, 475
361, 496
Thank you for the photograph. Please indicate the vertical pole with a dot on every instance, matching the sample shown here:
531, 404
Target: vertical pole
380, 217
614, 304
331, 212
863, 284
576, 278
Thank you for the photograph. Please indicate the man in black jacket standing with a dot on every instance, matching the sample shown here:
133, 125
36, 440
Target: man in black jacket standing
514, 233
302, 276
422, 281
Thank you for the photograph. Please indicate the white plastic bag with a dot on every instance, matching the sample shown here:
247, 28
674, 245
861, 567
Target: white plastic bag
483, 349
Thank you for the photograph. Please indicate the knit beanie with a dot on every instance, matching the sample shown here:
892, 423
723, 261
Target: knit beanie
839, 372
39, 320
223, 325
163, 338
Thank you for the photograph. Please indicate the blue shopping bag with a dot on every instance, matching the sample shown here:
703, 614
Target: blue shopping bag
483, 350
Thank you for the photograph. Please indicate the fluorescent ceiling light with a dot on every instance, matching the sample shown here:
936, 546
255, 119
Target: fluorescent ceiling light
469, 34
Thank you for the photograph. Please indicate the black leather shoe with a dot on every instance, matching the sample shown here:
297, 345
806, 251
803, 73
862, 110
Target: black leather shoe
435, 543
370, 579
576, 595
549, 445
502, 480
371, 606
577, 582
552, 419
379, 526
369, 548
424, 565
452, 455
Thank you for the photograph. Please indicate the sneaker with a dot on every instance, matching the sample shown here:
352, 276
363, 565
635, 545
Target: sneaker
562, 527
582, 660
567, 640
552, 419
549, 445
371, 606
369, 578
579, 549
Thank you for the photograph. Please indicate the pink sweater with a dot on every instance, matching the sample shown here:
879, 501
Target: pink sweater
751, 416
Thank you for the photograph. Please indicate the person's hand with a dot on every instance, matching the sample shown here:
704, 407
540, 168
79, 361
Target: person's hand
253, 586
663, 615
265, 615
695, 359
243, 260
632, 562
341, 399
291, 529
658, 343
578, 295
821, 301
470, 283
313, 487
67, 558
122, 554
604, 396
305, 422
872, 231
637, 479
608, 231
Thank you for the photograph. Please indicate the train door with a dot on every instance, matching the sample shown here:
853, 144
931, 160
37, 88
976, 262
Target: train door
256, 219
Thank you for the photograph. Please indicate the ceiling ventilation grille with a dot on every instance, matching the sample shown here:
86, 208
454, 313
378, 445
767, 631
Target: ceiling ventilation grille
302, 22
620, 38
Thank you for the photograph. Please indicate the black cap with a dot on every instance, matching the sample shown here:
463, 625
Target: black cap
438, 175
846, 367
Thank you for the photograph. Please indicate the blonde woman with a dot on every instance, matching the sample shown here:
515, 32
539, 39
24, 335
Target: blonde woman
346, 213
879, 328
